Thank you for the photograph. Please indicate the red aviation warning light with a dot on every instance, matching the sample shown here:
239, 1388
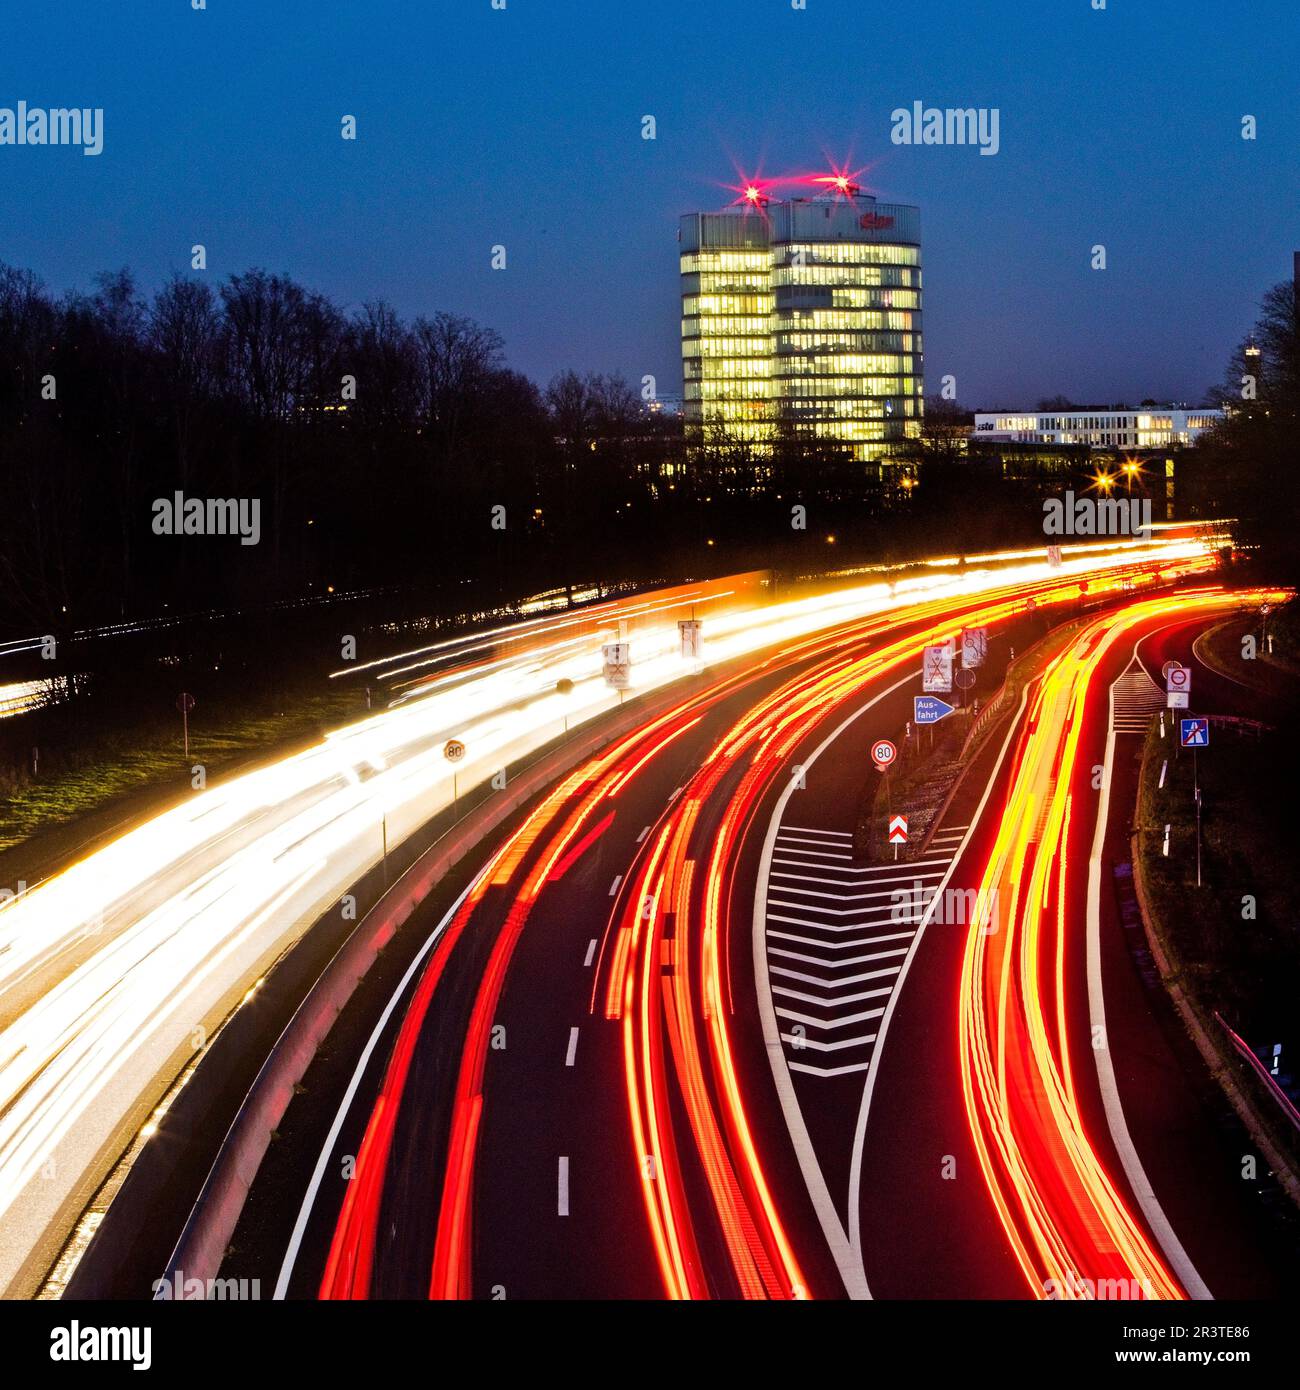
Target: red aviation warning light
843, 184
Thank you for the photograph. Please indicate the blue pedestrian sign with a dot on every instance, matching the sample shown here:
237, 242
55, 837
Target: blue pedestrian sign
927, 710
1196, 733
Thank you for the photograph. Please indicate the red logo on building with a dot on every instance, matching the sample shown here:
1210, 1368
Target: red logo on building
871, 221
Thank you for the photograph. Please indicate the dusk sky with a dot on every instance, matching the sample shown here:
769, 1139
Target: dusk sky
524, 127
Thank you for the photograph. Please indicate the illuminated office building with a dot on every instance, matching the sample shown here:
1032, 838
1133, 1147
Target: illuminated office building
1157, 427
801, 321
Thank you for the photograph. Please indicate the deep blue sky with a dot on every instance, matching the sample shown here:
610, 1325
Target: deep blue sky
524, 127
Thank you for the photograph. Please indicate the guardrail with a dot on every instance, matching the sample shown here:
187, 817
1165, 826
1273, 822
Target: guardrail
1283, 1100
203, 1241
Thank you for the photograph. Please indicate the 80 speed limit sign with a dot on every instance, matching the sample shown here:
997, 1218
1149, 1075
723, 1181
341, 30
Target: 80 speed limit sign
883, 753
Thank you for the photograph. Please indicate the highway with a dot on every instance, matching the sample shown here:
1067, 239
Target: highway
1060, 1085
613, 1077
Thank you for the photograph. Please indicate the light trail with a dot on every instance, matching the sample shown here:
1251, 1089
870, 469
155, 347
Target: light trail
168, 925
1069, 1226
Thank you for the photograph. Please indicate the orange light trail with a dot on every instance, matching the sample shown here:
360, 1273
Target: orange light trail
1069, 1227
667, 968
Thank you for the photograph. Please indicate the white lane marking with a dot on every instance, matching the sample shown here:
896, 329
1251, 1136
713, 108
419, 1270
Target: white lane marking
859, 873
799, 1042
835, 1000
840, 981
817, 830
830, 963
847, 1260
1128, 1154
890, 893
813, 853
873, 1067
838, 926
1214, 670
926, 879
829, 1071
327, 1149
562, 1204
591, 951
643, 834
613, 887
829, 1025
573, 1047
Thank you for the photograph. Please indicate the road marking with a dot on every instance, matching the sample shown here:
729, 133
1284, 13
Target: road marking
816, 830
847, 1257
838, 926
799, 1042
591, 951
801, 842
1119, 1133
327, 1149
643, 834
573, 1047
613, 887
874, 869
835, 1000
1214, 670
829, 1071
562, 1205
845, 979
832, 1024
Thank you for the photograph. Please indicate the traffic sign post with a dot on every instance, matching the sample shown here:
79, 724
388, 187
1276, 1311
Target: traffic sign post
1195, 733
936, 667
453, 750
185, 702
964, 679
897, 832
1178, 685
927, 710
617, 659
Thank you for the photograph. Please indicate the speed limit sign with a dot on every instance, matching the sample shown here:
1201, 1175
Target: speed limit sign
883, 753
453, 750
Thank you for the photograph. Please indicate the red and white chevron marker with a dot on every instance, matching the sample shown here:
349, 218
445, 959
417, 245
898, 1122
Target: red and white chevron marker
898, 830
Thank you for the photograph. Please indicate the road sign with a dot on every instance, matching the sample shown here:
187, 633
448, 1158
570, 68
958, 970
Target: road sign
1196, 733
898, 830
1178, 678
964, 678
974, 646
927, 710
185, 703
936, 669
692, 639
453, 750
617, 657
883, 753
1176, 699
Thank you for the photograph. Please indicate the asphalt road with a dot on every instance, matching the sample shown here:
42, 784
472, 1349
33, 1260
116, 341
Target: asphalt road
678, 1038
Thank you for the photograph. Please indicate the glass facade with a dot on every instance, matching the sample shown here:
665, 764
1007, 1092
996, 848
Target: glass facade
801, 320
1113, 429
